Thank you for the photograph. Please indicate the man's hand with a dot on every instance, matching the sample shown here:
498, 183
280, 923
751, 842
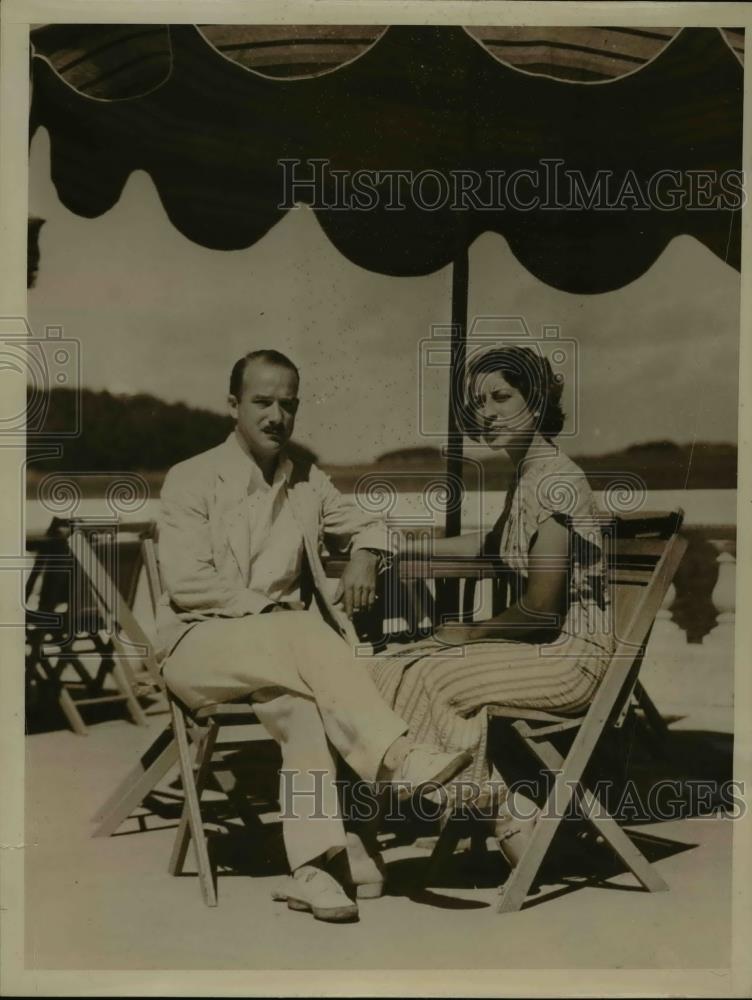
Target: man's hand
357, 586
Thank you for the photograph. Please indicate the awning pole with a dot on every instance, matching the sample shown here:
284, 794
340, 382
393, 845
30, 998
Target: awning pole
460, 279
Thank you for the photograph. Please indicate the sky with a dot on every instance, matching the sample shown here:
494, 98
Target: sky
158, 314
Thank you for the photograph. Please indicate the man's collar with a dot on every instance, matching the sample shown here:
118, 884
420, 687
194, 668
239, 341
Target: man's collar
284, 467
241, 469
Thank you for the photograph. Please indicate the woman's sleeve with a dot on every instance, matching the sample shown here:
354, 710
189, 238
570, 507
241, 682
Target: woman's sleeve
565, 495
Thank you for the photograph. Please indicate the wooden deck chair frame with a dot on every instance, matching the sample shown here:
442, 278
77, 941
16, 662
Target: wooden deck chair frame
162, 755
155, 763
88, 575
199, 728
645, 553
130, 641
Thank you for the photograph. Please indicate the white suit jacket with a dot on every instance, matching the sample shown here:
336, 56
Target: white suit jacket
204, 540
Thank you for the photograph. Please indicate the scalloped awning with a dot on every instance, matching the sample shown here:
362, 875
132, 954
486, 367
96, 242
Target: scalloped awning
208, 112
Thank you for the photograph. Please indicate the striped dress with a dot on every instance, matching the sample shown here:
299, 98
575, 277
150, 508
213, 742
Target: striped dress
443, 694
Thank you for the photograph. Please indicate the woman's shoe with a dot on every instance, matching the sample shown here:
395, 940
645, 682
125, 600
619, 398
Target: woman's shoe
513, 827
367, 869
313, 890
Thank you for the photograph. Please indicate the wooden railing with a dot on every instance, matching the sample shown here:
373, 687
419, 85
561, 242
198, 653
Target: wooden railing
702, 597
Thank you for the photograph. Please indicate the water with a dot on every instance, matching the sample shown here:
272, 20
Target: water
701, 507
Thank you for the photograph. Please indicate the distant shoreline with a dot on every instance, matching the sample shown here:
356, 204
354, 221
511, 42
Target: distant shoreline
406, 480
101, 431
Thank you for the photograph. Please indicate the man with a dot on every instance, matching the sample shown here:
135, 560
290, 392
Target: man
246, 614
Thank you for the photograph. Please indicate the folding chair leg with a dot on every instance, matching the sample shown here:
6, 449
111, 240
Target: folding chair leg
145, 761
183, 834
653, 717
122, 681
152, 766
132, 791
239, 803
193, 808
514, 891
478, 845
71, 713
621, 844
606, 825
450, 836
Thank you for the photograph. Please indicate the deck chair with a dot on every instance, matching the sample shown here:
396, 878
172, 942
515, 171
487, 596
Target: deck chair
644, 552
134, 645
71, 650
173, 746
162, 755
190, 731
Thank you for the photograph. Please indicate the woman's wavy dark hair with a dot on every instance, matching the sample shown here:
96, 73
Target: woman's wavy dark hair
530, 373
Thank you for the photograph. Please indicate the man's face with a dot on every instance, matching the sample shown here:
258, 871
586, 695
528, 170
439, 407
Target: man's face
265, 412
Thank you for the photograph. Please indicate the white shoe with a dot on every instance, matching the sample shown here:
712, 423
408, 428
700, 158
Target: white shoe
423, 767
367, 869
313, 890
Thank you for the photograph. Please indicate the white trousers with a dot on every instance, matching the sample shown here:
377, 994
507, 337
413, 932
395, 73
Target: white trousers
310, 692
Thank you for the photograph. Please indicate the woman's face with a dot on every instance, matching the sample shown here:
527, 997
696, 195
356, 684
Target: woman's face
504, 416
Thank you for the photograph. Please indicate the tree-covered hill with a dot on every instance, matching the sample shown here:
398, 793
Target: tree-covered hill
145, 434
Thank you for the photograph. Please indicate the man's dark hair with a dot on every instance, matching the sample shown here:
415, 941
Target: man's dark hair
529, 372
267, 354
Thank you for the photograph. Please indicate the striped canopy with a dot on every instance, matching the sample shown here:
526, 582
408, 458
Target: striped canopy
210, 110
113, 62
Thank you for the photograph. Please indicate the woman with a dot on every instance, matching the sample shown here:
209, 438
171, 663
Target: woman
549, 648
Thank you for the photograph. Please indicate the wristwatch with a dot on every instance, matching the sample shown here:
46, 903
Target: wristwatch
385, 558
